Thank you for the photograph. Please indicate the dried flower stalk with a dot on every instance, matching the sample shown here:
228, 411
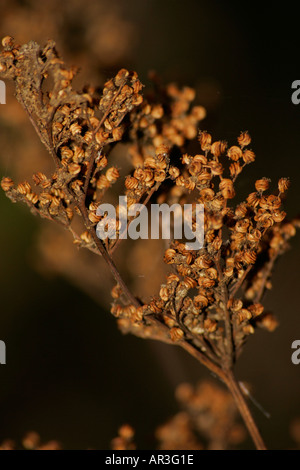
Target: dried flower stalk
210, 303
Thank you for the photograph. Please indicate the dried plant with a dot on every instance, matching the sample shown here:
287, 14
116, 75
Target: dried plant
210, 303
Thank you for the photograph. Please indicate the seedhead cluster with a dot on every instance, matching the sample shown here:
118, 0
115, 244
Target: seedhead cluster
211, 300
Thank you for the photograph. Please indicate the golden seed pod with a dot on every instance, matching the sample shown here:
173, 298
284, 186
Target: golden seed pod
169, 256
157, 111
248, 329
174, 172
204, 140
176, 334
8, 41
200, 301
33, 198
218, 148
189, 282
199, 113
283, 184
235, 305
267, 321
254, 236
211, 273
216, 168
235, 169
228, 272
74, 168
159, 175
234, 153
248, 156
242, 225
241, 210
253, 199
278, 216
86, 237
45, 198
203, 262
206, 194
256, 309
244, 139
227, 188
101, 136
69, 213
66, 152
210, 325
249, 257
94, 218
205, 283
195, 168
102, 182
6, 183
131, 182
172, 278
112, 174
244, 315
262, 184
119, 78
24, 188
164, 293
88, 137
75, 128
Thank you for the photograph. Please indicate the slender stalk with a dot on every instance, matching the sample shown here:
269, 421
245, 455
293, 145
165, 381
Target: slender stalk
240, 401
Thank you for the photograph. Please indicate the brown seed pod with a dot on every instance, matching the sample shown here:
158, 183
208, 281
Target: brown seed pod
210, 325
6, 183
283, 184
169, 256
174, 172
74, 168
200, 301
267, 321
234, 153
164, 293
227, 189
249, 257
102, 182
112, 174
203, 262
189, 282
244, 315
248, 156
253, 199
241, 210
244, 139
176, 334
24, 188
256, 309
218, 148
205, 140
75, 128
262, 184
248, 329
8, 41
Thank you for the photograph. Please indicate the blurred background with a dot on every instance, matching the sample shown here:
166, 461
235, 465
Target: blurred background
70, 374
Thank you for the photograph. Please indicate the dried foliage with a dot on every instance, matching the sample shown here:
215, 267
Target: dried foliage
211, 301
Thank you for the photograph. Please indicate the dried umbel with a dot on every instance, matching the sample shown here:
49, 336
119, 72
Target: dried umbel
210, 303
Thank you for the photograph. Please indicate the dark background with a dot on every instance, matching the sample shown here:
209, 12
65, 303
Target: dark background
70, 374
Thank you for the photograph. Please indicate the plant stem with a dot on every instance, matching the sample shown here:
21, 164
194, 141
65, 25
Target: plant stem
240, 401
